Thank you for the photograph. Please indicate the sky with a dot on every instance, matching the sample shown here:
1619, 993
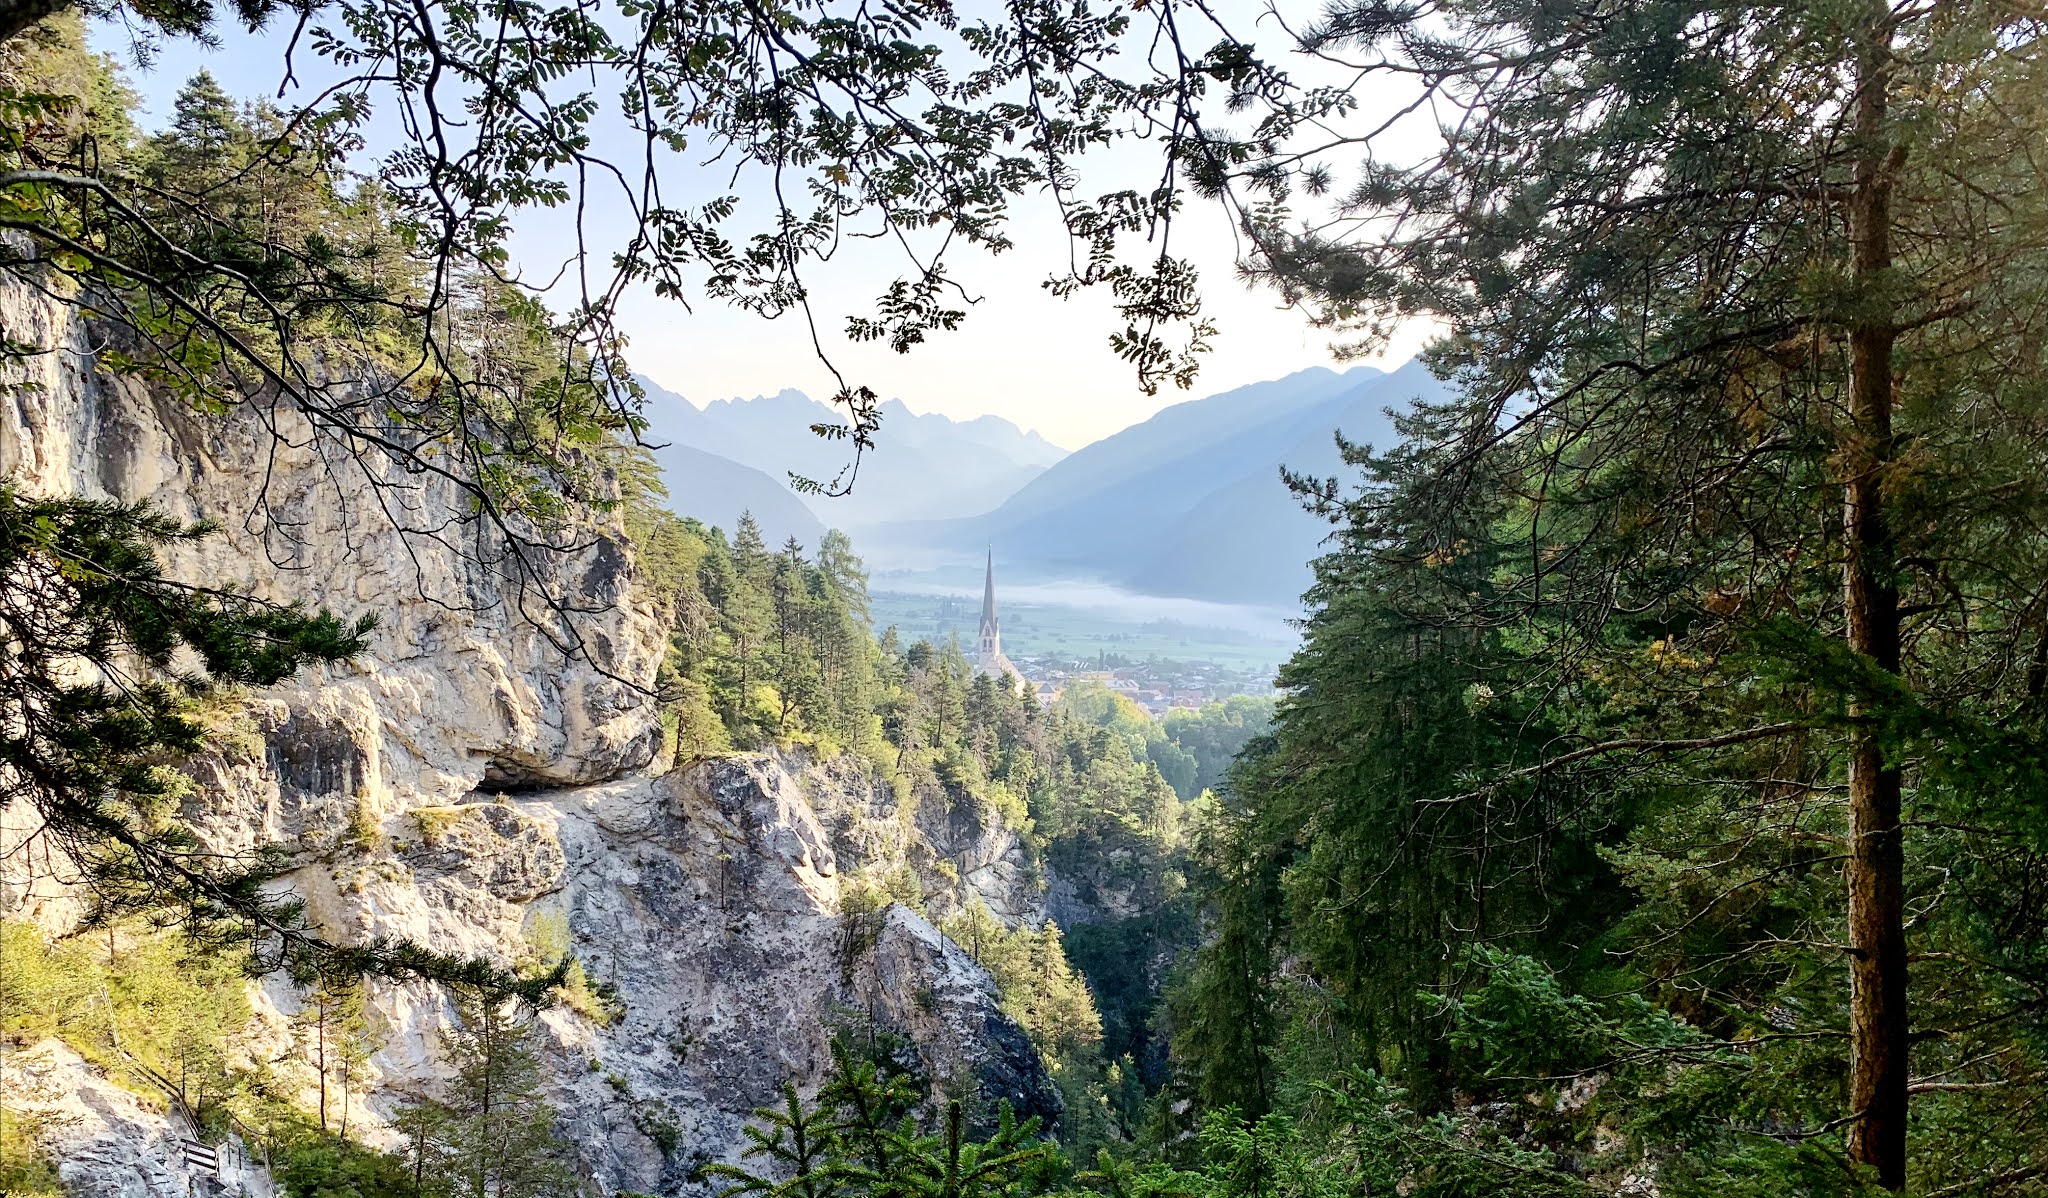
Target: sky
1039, 361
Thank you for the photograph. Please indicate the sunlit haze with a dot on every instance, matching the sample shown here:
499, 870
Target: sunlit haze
1039, 361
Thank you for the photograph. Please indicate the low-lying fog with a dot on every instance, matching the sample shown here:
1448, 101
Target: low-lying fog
1101, 600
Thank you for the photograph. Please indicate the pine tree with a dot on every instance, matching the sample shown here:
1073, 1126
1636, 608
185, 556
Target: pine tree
206, 128
490, 1134
95, 701
1714, 544
332, 1030
863, 1138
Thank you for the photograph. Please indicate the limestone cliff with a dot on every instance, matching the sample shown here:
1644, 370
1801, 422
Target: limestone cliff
469, 786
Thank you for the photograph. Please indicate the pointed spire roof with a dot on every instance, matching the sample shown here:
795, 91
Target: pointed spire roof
988, 592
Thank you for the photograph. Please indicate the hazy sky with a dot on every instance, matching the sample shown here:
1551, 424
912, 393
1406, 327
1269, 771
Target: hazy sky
1039, 361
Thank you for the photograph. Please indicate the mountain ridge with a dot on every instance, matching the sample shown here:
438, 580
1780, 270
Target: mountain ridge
1186, 504
921, 461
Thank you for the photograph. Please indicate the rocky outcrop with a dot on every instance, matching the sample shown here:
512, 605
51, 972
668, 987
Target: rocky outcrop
956, 845
469, 786
110, 1143
706, 901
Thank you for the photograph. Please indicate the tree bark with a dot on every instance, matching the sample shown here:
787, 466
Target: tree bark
1877, 938
322, 1027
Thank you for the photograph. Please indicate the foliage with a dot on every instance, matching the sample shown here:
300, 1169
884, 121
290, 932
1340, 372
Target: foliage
489, 1133
764, 647
103, 661
914, 125
1661, 723
547, 934
103, 655
160, 1014
332, 1034
1109, 823
863, 1138
1038, 988
1215, 734
26, 1170
235, 259
1098, 705
238, 261
1126, 963
310, 1164
868, 891
779, 648
169, 1018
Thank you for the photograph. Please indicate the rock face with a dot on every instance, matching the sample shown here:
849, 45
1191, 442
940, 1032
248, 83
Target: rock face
959, 850
708, 898
108, 1143
468, 786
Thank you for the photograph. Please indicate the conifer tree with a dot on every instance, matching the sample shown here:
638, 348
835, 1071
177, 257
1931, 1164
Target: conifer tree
865, 1138
332, 1030
96, 698
490, 1133
1735, 507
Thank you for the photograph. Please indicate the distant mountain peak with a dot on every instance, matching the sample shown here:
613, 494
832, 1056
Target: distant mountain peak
923, 465
1188, 502
987, 423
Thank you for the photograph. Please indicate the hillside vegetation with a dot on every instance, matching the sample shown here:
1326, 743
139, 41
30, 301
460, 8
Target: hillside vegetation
1656, 806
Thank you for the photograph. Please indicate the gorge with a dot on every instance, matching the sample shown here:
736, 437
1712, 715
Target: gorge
468, 786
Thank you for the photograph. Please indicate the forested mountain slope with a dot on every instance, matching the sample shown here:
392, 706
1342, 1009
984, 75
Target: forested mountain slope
459, 787
397, 801
740, 834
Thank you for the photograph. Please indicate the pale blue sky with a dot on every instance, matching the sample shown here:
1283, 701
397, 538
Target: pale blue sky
1041, 362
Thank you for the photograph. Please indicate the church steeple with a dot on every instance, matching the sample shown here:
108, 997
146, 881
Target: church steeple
988, 657
991, 645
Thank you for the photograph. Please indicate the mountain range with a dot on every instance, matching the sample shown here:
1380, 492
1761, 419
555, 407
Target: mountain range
922, 465
1188, 503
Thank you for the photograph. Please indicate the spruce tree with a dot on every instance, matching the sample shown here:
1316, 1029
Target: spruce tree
490, 1132
1736, 510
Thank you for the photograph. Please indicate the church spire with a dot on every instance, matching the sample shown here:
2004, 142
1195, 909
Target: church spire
988, 595
989, 659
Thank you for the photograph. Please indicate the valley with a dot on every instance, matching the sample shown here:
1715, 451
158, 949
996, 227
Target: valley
1189, 504
1601, 755
1049, 639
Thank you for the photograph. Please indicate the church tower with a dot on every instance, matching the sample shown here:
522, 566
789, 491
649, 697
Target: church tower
991, 628
988, 656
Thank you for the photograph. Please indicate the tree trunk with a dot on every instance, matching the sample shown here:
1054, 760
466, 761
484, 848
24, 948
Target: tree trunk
1877, 938
322, 1057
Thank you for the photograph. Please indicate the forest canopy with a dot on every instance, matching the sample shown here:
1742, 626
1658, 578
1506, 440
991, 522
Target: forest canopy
1662, 765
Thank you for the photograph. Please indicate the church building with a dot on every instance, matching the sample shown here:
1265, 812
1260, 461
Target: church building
988, 654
